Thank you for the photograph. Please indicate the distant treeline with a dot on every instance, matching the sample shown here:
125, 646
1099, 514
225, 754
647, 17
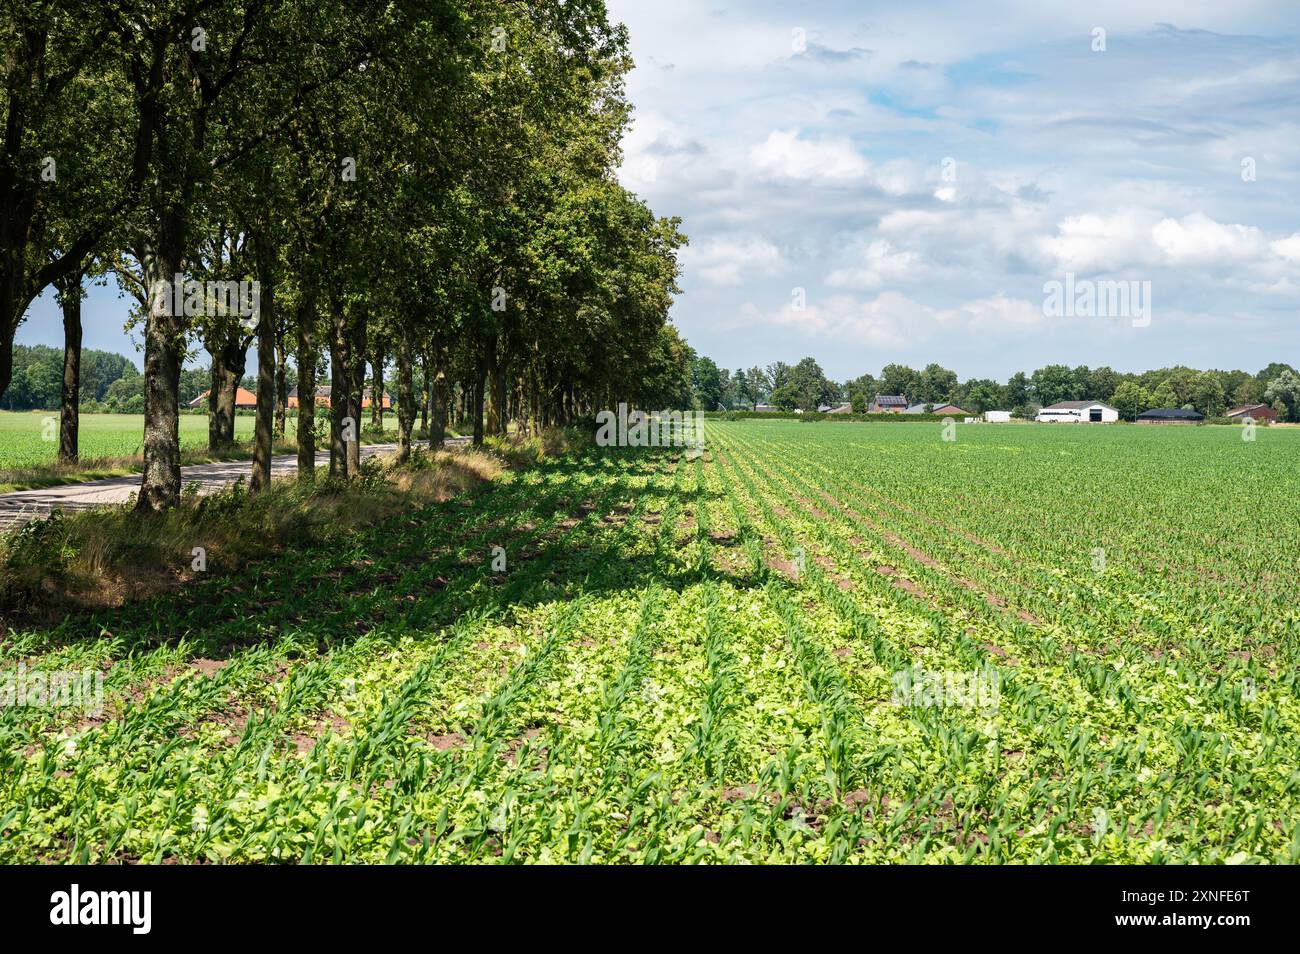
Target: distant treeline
109, 381
815, 416
805, 387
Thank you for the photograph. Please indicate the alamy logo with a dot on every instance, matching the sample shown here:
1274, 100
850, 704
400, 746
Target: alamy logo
653, 429
73, 907
191, 298
1089, 298
59, 689
919, 687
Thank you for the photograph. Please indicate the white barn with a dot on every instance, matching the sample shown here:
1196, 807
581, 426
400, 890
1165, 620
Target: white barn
1078, 412
997, 417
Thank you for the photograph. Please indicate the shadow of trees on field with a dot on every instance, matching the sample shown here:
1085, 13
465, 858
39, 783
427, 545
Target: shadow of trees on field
420, 571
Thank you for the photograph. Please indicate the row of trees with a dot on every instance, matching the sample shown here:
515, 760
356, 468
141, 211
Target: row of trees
422, 184
806, 387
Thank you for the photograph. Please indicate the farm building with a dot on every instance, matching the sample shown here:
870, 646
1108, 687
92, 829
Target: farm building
765, 408
997, 417
843, 408
888, 404
1078, 412
323, 397
1170, 415
1256, 412
950, 410
245, 400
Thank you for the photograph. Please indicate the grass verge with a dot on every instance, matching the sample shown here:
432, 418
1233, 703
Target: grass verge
54, 473
103, 558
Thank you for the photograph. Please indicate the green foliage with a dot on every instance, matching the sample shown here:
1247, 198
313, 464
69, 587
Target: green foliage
688, 661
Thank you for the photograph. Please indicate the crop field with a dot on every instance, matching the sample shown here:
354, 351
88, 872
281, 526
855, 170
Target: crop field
815, 642
26, 440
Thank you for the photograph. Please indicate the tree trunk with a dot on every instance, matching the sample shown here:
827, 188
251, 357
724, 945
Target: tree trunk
307, 387
70, 396
281, 379
439, 389
6, 350
228, 362
338, 391
427, 395
164, 347
356, 382
405, 399
476, 403
496, 385
377, 391
263, 430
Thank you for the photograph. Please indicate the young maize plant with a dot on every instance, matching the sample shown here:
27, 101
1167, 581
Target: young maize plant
837, 643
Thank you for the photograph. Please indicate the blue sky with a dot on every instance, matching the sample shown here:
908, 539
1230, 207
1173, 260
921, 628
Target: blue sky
804, 148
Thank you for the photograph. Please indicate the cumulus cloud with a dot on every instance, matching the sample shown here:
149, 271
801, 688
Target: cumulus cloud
1093, 242
893, 320
726, 260
1288, 248
823, 170
1197, 239
783, 155
881, 264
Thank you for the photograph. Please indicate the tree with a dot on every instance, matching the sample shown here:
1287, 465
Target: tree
760, 386
863, 384
1101, 385
1053, 384
706, 383
899, 379
72, 157
1248, 391
1130, 398
785, 397
1164, 396
743, 391
936, 385
1017, 394
811, 386
1285, 389
778, 376
1207, 394
983, 395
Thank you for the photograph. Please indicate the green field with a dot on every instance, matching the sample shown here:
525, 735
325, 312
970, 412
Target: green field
709, 660
23, 440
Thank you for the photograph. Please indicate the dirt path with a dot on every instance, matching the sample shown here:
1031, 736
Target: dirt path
20, 506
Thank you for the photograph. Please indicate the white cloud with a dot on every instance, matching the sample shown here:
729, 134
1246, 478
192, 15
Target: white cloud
1090, 242
881, 264
725, 260
892, 320
783, 155
1065, 161
1288, 248
1197, 239
997, 314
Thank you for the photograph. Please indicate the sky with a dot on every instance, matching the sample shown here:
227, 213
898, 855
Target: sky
922, 170
870, 183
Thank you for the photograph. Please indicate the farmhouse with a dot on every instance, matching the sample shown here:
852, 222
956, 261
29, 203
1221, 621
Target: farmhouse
948, 410
323, 397
1078, 412
245, 400
1170, 415
1256, 412
888, 404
